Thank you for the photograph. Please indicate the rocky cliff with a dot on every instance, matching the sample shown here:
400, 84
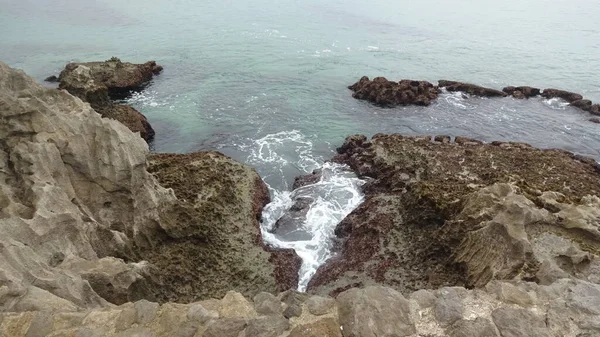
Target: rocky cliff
455, 238
84, 224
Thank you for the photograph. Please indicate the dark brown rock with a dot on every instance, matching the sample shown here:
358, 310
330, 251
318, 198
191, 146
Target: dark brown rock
51, 79
595, 120
583, 104
470, 89
99, 82
407, 234
288, 227
522, 91
307, 179
386, 93
566, 95
595, 109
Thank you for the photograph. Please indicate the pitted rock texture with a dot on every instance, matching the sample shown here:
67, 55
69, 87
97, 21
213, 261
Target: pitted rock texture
75, 195
386, 93
215, 244
463, 213
83, 222
98, 83
567, 308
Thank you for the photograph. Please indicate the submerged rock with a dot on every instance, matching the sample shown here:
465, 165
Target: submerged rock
386, 93
470, 89
98, 83
441, 213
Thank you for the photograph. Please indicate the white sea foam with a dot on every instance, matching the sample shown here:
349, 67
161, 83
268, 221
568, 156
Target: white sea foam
556, 103
335, 195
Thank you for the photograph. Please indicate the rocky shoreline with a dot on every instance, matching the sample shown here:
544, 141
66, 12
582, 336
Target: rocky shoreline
382, 92
455, 237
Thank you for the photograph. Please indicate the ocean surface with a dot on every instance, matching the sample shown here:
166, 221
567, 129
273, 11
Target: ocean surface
265, 81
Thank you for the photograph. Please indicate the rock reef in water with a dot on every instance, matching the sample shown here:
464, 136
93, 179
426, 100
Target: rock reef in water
470, 89
442, 213
382, 92
84, 223
385, 93
99, 83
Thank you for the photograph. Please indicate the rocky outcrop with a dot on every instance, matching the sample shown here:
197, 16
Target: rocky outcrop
439, 213
120, 78
470, 89
85, 225
565, 308
566, 95
522, 92
98, 83
75, 200
214, 244
386, 93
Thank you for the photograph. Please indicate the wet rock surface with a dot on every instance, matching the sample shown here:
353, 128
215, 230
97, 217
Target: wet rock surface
383, 92
522, 92
99, 83
470, 89
441, 213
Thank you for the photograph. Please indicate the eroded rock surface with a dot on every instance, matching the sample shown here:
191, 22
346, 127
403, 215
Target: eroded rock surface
98, 83
386, 93
84, 224
565, 308
440, 213
214, 241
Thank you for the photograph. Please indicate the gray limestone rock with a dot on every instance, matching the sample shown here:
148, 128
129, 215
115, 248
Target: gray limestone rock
319, 306
385, 310
267, 304
479, 327
448, 306
519, 323
225, 327
267, 326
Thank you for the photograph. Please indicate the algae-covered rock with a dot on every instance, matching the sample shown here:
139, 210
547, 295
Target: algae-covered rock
464, 213
214, 244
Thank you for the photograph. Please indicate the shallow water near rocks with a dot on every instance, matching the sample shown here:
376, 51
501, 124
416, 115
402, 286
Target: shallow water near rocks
265, 81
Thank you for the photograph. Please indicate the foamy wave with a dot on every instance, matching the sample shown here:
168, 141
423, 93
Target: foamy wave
335, 195
556, 103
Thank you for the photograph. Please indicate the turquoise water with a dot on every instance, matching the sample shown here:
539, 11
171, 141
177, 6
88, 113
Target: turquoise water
265, 81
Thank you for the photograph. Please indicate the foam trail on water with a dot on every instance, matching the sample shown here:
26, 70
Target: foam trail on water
335, 195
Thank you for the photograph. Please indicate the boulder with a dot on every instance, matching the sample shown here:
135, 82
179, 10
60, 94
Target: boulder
442, 214
595, 120
583, 104
522, 91
120, 78
471, 89
566, 95
51, 79
98, 83
386, 311
386, 93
